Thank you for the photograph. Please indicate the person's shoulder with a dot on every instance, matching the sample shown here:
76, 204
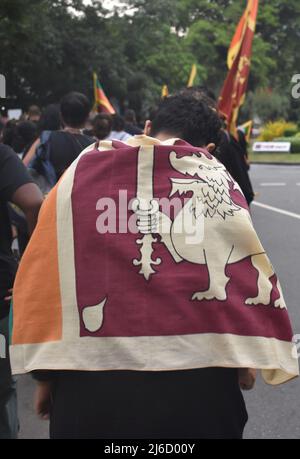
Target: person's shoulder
13, 173
58, 140
88, 138
6, 151
57, 134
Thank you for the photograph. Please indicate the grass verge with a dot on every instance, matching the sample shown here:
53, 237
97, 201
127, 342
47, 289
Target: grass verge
275, 158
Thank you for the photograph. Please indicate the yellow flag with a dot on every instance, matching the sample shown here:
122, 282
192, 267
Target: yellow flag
192, 76
165, 91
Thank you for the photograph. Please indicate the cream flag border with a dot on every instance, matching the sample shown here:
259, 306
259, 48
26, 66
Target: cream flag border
276, 359
66, 255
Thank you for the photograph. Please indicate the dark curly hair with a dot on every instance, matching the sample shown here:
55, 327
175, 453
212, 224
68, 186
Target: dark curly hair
191, 118
75, 109
102, 126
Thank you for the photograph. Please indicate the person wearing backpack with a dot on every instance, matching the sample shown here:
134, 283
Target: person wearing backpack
57, 149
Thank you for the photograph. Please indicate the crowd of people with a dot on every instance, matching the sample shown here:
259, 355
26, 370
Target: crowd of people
35, 153
71, 126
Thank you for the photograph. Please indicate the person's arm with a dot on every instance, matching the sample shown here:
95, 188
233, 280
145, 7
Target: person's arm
247, 378
16, 186
29, 199
43, 400
31, 153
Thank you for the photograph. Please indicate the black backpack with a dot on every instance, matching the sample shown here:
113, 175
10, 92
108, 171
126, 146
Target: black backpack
41, 169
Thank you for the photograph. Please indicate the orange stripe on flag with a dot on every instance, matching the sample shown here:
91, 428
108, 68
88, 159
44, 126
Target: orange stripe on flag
37, 308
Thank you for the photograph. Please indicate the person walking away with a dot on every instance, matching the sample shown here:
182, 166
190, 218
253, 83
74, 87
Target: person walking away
61, 147
34, 114
15, 187
49, 122
26, 133
118, 131
131, 123
102, 126
148, 326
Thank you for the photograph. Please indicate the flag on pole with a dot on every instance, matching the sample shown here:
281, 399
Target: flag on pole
102, 104
193, 76
239, 62
165, 91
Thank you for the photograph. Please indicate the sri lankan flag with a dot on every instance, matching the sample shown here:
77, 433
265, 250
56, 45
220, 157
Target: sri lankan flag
239, 63
118, 275
102, 103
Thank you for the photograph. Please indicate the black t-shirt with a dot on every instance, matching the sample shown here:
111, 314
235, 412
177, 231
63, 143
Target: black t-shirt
13, 175
65, 148
204, 403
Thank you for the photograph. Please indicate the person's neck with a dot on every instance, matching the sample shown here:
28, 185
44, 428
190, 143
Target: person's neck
72, 130
162, 136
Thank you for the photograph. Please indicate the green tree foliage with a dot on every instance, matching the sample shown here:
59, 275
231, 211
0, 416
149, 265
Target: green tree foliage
49, 47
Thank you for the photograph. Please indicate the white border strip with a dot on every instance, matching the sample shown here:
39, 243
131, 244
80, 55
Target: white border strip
278, 211
277, 359
66, 256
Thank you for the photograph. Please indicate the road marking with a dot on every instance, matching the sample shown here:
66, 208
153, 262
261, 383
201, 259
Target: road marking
278, 211
273, 184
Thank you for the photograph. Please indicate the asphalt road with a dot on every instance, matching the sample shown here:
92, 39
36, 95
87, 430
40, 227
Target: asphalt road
274, 413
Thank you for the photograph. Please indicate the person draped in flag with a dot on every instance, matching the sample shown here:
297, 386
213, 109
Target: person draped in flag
139, 331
